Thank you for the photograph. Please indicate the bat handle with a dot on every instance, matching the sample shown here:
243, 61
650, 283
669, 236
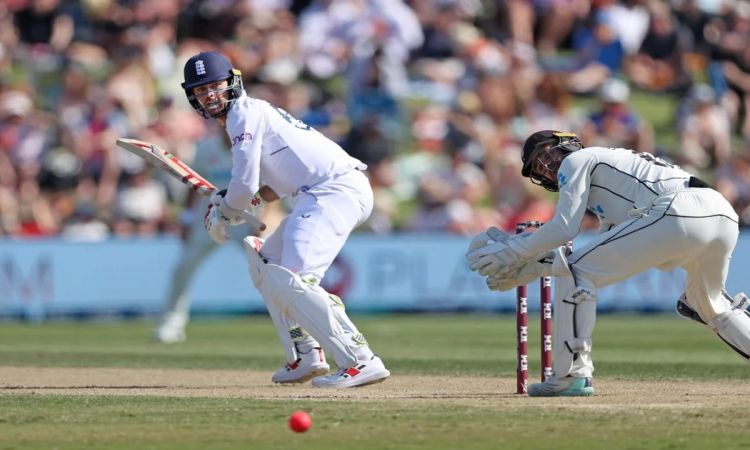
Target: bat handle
253, 221
249, 217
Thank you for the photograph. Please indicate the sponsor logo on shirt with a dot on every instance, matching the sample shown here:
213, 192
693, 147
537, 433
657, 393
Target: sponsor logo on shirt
246, 136
562, 180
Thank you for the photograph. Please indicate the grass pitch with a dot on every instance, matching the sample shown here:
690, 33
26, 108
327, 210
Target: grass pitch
662, 383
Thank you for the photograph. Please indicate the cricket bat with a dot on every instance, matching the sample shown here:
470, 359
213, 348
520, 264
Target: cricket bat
162, 159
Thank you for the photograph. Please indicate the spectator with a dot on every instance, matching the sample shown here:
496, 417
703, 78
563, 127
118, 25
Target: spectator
58, 179
555, 21
35, 217
598, 55
84, 226
369, 95
733, 181
630, 20
551, 106
693, 20
75, 76
335, 32
23, 134
659, 64
437, 20
447, 202
141, 205
531, 205
44, 23
615, 123
369, 143
130, 86
727, 35
737, 74
704, 130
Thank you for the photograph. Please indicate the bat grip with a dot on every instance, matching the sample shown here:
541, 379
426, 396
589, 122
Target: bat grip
249, 217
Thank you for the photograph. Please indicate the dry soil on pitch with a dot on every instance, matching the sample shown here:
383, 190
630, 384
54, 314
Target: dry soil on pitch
478, 391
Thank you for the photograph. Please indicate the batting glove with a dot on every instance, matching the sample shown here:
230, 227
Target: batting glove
215, 224
230, 215
218, 196
236, 216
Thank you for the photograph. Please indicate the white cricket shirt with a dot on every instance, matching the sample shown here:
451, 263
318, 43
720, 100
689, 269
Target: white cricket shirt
270, 147
609, 182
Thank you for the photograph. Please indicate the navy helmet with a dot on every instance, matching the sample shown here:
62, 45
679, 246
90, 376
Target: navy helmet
210, 67
537, 147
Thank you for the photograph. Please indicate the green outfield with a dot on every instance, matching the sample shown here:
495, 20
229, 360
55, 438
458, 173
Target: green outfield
662, 383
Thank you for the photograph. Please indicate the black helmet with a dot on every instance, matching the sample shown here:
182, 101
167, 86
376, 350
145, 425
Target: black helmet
210, 67
544, 140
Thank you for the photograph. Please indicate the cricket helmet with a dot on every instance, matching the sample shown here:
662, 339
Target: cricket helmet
210, 67
537, 152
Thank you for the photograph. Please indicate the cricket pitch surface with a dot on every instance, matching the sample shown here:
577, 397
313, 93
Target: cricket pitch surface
611, 394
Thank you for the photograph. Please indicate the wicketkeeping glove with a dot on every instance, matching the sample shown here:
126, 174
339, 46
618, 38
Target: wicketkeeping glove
490, 236
539, 266
497, 257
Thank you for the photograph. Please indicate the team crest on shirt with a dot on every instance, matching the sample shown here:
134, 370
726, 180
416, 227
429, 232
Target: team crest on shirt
562, 180
246, 136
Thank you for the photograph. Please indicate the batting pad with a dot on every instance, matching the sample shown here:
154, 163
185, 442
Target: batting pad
573, 324
733, 327
282, 323
307, 304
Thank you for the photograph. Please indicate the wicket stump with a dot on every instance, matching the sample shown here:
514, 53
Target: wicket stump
522, 325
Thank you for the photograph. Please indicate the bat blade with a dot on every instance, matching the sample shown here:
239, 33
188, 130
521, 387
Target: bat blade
162, 159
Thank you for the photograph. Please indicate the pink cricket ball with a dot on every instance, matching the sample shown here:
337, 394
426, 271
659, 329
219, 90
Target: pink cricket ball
300, 421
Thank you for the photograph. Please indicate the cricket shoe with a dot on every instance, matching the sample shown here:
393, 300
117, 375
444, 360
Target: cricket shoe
360, 374
563, 387
739, 301
684, 310
171, 330
308, 365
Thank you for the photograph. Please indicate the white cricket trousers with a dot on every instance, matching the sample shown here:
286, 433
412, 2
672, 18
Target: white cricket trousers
695, 229
309, 238
307, 241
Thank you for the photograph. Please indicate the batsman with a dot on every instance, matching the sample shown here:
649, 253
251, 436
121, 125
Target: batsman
275, 155
652, 214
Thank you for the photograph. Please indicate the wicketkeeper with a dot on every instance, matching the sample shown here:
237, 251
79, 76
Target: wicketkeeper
652, 214
276, 155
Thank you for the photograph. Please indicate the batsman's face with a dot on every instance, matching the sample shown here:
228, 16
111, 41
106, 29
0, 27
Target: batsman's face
213, 96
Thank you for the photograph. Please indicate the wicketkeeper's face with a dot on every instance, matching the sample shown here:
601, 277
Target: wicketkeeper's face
213, 96
547, 163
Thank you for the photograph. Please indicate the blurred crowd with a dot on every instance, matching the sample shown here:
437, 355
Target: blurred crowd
436, 96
